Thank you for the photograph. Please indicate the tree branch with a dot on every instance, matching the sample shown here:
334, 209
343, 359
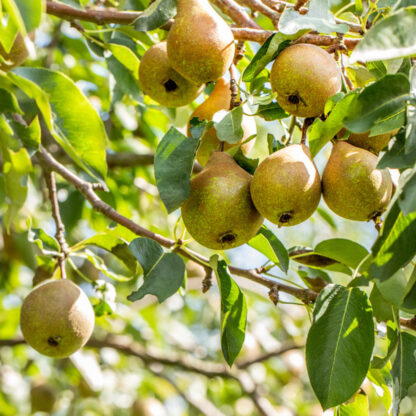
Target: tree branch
257, 5
249, 30
87, 189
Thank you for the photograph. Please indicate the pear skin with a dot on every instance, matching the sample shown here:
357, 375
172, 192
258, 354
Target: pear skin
304, 77
352, 186
161, 82
219, 99
286, 186
374, 144
200, 44
219, 213
17, 54
57, 318
42, 398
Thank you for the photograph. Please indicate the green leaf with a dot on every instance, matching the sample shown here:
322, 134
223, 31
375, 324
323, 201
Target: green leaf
29, 135
357, 407
271, 112
16, 167
397, 157
8, 102
339, 344
47, 244
267, 52
382, 309
395, 246
31, 12
319, 18
389, 38
243, 161
229, 128
321, 132
76, 124
114, 245
157, 14
233, 312
345, 251
173, 167
392, 340
404, 369
378, 101
127, 57
105, 298
268, 244
163, 272
315, 279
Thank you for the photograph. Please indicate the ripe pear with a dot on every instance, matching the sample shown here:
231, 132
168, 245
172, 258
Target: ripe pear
17, 54
286, 186
219, 213
57, 318
219, 99
161, 82
352, 186
200, 44
304, 77
374, 144
42, 398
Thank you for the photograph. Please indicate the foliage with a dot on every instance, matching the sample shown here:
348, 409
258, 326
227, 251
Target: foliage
341, 334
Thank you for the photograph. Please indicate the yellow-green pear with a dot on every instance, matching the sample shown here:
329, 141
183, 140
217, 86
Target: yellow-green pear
42, 398
219, 212
286, 187
57, 318
161, 82
17, 54
304, 77
218, 100
148, 406
352, 185
374, 144
200, 44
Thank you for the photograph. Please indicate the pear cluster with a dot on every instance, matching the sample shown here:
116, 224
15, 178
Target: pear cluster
227, 206
199, 49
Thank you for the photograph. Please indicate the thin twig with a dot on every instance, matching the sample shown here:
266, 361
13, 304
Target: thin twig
236, 13
235, 102
258, 6
60, 228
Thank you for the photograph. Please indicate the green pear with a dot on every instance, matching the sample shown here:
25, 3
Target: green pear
17, 54
286, 186
374, 144
200, 44
304, 77
218, 100
219, 213
352, 185
161, 82
42, 398
57, 318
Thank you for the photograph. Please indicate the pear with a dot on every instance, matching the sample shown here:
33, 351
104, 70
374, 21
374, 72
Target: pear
286, 186
304, 77
161, 82
352, 186
42, 398
200, 44
219, 99
219, 213
147, 407
374, 144
57, 318
17, 54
